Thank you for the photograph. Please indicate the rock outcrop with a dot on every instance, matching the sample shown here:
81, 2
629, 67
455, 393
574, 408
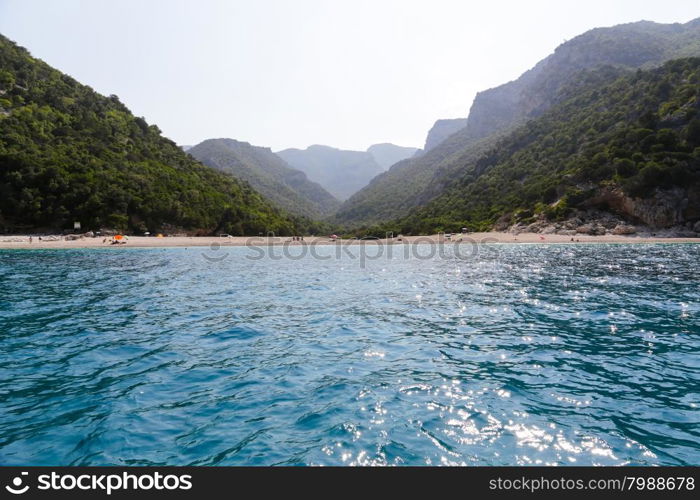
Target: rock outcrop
624, 229
665, 208
442, 129
598, 223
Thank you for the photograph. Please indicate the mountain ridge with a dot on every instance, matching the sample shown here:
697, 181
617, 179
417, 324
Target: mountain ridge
387, 154
269, 174
621, 147
69, 154
499, 110
343, 172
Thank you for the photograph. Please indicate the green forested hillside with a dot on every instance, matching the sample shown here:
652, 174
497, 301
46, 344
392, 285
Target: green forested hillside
611, 138
618, 137
69, 154
286, 187
495, 112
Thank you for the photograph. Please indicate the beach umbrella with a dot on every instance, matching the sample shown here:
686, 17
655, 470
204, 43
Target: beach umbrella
118, 237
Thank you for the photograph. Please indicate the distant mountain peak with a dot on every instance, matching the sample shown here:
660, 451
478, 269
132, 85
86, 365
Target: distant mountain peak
339, 171
344, 172
387, 154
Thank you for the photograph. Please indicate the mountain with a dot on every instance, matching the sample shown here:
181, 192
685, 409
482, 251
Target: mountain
620, 147
441, 130
286, 187
404, 186
634, 45
496, 112
343, 172
388, 154
69, 154
340, 172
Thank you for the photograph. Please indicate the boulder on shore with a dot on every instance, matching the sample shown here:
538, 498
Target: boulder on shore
624, 229
592, 229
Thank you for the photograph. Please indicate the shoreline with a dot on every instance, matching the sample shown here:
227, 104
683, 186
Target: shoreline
21, 242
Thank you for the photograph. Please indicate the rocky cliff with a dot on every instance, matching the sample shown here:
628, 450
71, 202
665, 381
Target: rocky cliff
634, 45
441, 130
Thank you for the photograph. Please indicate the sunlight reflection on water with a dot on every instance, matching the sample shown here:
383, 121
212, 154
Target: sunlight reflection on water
568, 355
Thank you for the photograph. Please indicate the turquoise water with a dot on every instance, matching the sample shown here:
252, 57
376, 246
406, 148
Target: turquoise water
529, 354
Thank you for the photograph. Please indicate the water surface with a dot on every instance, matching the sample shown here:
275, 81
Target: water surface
522, 354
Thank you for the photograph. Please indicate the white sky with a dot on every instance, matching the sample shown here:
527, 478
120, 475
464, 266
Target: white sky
346, 73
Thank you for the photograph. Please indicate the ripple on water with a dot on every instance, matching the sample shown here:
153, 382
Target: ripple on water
522, 355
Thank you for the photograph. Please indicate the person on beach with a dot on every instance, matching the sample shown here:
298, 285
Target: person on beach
31, 239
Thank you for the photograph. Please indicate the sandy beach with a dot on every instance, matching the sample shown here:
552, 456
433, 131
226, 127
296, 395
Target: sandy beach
56, 242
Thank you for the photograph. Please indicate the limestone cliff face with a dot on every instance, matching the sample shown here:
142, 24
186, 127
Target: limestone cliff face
631, 45
665, 208
442, 130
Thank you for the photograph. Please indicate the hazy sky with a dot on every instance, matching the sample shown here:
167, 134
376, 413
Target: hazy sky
290, 73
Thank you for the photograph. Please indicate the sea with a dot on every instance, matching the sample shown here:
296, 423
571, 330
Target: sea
510, 354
